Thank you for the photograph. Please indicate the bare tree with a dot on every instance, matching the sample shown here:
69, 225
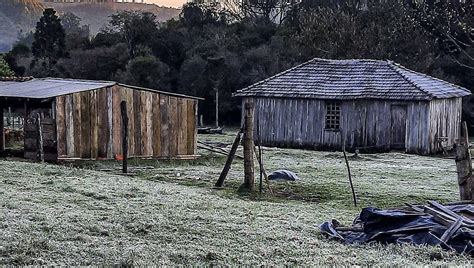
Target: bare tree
452, 24
271, 10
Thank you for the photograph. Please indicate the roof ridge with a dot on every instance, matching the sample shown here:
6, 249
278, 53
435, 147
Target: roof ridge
54, 79
394, 66
278, 74
16, 78
362, 59
301, 65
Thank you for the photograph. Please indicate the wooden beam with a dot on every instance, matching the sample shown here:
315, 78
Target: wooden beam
249, 172
39, 137
464, 165
123, 108
229, 160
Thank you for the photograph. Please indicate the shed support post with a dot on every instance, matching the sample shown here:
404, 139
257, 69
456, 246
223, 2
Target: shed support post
123, 108
249, 179
39, 138
464, 165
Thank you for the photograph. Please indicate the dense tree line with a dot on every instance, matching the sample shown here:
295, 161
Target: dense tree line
210, 48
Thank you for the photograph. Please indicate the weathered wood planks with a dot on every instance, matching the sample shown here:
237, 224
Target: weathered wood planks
173, 126
165, 135
102, 121
156, 121
61, 125
160, 125
182, 127
300, 123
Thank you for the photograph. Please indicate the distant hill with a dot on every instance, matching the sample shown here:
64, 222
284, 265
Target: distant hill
21, 15
96, 15
17, 16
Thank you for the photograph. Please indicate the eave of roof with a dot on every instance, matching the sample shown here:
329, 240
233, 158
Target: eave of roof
162, 92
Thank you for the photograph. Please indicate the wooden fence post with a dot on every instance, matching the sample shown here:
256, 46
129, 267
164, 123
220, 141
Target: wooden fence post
39, 137
249, 178
464, 165
354, 197
123, 108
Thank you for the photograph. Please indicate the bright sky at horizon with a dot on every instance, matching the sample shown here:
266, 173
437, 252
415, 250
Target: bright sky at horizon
168, 3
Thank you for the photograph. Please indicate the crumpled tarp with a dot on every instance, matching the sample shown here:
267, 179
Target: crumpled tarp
283, 175
404, 226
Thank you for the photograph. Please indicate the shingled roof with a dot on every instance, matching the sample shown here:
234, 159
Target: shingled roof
353, 79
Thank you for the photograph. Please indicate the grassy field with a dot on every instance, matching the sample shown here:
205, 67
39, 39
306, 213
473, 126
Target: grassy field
169, 214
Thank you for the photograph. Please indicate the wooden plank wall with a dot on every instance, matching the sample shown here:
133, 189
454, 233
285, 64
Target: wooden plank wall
300, 123
445, 121
89, 124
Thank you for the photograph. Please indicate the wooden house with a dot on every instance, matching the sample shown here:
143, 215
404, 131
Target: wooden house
368, 104
82, 119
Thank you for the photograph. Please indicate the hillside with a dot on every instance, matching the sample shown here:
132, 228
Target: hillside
97, 15
18, 16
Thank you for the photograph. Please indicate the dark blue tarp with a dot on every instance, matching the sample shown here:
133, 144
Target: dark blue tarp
402, 226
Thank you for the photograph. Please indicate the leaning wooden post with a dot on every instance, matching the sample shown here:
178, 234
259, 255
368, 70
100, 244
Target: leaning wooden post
464, 165
248, 145
39, 138
123, 108
230, 158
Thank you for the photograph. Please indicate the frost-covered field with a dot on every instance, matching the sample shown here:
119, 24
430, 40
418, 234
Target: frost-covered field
169, 214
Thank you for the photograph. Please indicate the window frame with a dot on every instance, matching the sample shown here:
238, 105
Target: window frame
332, 116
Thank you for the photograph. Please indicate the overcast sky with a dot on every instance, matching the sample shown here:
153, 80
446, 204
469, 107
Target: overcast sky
169, 3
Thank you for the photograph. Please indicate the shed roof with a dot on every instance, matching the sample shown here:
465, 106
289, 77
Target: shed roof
43, 88
353, 79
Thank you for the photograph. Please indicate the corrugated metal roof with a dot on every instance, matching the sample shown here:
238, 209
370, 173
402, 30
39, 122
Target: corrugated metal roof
43, 88
48, 87
353, 79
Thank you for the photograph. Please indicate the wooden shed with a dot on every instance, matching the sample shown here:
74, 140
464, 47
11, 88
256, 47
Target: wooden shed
370, 104
82, 119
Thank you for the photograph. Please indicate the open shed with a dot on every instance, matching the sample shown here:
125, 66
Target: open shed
82, 119
370, 104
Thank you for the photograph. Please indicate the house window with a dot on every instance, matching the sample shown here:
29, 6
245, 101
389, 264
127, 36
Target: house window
333, 115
